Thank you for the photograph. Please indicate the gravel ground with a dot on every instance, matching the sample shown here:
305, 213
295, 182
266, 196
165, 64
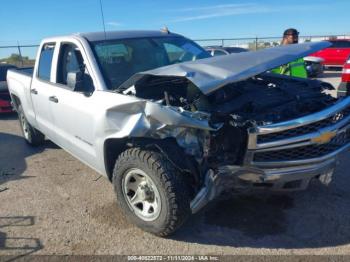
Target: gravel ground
53, 204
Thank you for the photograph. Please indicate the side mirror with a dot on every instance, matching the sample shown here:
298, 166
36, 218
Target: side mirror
75, 80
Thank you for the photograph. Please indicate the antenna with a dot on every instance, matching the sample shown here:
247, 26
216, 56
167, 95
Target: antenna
103, 20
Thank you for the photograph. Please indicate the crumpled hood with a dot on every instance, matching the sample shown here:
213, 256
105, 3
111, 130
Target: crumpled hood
212, 73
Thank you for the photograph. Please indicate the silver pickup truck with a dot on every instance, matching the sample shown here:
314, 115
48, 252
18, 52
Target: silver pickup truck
171, 127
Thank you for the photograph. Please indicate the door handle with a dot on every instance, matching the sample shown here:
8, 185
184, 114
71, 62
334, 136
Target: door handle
53, 99
34, 91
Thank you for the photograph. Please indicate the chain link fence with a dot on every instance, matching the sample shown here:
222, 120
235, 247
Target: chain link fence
23, 55
18, 55
256, 43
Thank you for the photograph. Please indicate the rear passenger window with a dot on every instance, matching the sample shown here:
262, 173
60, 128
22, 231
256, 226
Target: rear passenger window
45, 61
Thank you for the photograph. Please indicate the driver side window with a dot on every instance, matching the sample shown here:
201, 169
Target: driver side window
72, 71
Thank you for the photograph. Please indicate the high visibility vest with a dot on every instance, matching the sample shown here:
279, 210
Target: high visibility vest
295, 68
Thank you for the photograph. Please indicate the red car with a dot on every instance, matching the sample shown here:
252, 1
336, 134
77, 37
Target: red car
5, 99
335, 55
344, 87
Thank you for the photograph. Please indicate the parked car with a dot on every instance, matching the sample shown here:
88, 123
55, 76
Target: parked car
220, 50
336, 54
344, 87
172, 128
5, 99
313, 65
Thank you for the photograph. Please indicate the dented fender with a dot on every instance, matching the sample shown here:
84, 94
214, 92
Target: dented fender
148, 119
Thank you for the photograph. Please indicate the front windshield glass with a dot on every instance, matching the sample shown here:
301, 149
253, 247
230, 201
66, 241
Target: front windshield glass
122, 58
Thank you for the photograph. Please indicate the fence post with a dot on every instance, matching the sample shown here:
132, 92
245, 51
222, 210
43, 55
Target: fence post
256, 43
20, 53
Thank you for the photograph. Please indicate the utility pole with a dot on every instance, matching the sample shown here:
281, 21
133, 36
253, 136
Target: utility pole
20, 53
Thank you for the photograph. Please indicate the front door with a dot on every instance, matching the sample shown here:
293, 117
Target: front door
73, 109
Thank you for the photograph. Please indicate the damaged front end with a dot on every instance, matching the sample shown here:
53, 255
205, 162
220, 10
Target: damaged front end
250, 130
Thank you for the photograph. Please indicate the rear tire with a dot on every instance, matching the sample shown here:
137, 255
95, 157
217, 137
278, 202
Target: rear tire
152, 193
32, 136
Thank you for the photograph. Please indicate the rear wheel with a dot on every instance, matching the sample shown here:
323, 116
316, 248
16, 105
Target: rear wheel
151, 191
32, 136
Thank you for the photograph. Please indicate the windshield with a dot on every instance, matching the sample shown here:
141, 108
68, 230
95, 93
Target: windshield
122, 58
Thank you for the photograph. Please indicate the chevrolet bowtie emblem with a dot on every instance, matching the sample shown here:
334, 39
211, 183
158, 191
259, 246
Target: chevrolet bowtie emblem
324, 138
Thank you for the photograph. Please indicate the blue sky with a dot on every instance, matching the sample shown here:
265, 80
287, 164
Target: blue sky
28, 21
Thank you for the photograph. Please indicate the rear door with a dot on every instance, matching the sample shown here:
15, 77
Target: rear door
42, 88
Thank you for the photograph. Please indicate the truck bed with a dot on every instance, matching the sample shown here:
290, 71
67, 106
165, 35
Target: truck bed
24, 70
19, 79
19, 83
25, 73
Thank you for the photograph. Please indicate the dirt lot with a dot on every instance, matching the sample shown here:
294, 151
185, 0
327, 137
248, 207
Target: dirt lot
50, 203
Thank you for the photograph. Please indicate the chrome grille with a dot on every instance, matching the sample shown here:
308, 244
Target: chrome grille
304, 152
303, 130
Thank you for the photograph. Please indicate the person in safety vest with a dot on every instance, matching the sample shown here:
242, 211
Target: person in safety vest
297, 67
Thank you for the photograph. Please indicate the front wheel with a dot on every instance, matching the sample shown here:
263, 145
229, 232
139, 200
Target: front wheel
151, 192
32, 136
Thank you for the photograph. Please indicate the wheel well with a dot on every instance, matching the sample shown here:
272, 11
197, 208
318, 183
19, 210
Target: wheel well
168, 147
113, 147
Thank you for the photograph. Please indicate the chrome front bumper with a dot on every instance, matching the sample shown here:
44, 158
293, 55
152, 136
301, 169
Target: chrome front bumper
275, 179
250, 179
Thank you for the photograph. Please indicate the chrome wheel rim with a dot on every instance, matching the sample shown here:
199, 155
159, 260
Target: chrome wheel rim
24, 127
141, 194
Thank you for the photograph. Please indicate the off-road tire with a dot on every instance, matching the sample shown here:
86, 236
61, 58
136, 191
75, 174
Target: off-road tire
170, 183
32, 136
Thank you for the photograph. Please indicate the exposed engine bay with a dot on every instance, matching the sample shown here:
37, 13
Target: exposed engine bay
257, 101
265, 99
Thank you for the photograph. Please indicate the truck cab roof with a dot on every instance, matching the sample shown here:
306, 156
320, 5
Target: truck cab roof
112, 35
